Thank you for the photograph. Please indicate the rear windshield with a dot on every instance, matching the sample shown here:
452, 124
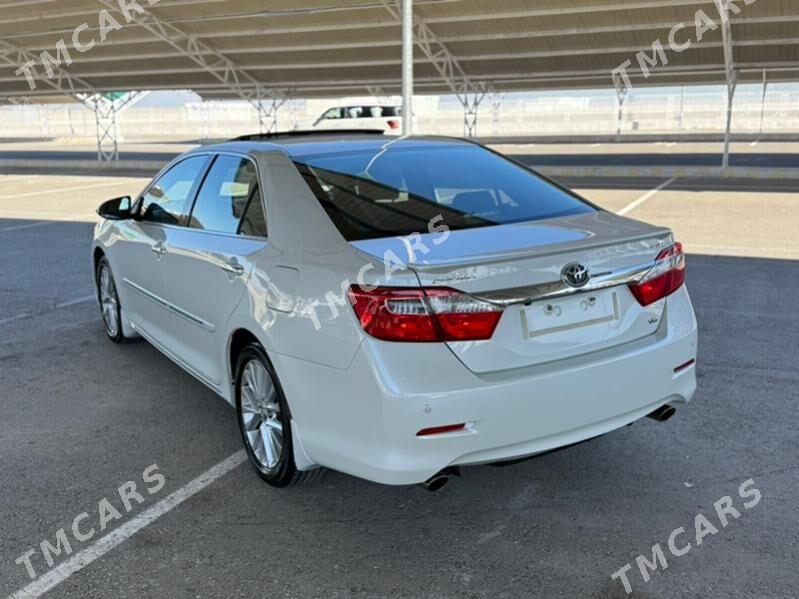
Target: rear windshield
399, 191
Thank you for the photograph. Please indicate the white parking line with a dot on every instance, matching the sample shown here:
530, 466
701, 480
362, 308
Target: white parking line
63, 189
73, 219
12, 180
29, 226
75, 302
15, 318
83, 558
633, 205
67, 304
726, 249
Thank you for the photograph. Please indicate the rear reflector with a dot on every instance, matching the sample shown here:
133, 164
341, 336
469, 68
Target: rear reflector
664, 278
393, 124
423, 315
437, 430
685, 366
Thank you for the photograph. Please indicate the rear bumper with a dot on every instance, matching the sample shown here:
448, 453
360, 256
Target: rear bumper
364, 421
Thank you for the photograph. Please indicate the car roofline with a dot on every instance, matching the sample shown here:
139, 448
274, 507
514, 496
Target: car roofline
306, 133
283, 142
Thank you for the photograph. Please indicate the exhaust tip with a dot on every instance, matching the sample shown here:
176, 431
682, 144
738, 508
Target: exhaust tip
663, 413
439, 479
436, 482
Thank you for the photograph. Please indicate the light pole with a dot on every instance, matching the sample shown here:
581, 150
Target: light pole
407, 67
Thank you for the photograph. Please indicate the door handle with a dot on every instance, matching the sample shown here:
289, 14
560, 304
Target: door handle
233, 268
158, 249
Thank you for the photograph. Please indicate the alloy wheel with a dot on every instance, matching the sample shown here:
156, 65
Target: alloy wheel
261, 415
109, 302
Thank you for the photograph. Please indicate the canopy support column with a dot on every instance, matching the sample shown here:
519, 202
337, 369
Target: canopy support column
292, 106
205, 119
105, 115
106, 108
471, 100
496, 110
407, 67
763, 105
732, 82
267, 114
621, 96
44, 120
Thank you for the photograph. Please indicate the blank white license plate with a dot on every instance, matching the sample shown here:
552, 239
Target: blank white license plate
553, 316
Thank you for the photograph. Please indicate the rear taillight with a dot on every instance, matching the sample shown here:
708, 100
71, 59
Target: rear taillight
663, 279
423, 315
392, 124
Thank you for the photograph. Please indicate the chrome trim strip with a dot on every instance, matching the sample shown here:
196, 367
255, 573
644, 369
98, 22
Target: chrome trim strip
551, 289
203, 324
171, 307
149, 295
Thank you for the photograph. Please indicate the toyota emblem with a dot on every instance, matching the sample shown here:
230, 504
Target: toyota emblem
575, 275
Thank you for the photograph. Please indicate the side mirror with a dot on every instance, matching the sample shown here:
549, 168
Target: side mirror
116, 209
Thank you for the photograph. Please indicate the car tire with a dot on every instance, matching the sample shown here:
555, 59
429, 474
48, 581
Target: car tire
265, 420
108, 297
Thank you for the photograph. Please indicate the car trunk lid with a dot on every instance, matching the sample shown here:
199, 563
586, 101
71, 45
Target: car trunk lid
522, 266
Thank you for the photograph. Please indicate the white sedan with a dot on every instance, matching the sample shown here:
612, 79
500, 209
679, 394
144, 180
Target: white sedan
396, 309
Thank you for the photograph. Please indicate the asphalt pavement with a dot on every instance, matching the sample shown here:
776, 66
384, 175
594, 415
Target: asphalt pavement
81, 416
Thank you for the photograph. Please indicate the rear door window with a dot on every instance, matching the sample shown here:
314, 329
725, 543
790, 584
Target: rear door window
253, 223
355, 112
333, 114
382, 111
227, 192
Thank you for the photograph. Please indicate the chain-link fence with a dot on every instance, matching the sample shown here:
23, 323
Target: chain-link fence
517, 114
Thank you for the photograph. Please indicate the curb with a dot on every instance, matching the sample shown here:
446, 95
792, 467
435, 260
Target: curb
84, 164
551, 171
681, 172
636, 138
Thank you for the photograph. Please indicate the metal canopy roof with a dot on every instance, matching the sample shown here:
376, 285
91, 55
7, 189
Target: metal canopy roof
251, 48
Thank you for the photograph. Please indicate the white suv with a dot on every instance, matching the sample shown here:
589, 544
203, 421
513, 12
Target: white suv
378, 117
396, 309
